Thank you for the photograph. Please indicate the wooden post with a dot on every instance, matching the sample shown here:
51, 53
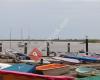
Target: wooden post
68, 47
41, 61
25, 48
0, 47
48, 50
86, 45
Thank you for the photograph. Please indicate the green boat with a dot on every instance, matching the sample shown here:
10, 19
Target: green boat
85, 71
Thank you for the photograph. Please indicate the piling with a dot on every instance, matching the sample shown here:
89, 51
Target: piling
68, 47
0, 47
25, 48
86, 45
41, 61
48, 49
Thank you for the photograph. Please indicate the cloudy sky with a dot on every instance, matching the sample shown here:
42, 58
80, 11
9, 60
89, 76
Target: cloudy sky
50, 18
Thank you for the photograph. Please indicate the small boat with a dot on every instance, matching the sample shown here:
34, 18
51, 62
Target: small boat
85, 71
90, 56
34, 62
13, 75
53, 69
67, 60
22, 68
83, 58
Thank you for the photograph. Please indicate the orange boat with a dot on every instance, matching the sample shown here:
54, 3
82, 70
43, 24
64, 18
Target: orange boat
53, 69
13, 75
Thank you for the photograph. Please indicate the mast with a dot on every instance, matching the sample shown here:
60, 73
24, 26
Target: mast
10, 38
22, 34
28, 37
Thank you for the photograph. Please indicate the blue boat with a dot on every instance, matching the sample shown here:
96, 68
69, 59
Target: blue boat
82, 58
22, 68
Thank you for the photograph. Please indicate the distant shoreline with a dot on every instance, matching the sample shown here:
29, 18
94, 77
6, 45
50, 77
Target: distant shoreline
92, 41
57, 40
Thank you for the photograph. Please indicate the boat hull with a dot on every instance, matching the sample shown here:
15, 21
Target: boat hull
53, 69
86, 71
82, 58
12, 75
22, 68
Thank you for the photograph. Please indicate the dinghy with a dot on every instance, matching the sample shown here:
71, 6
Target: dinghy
34, 62
13, 75
53, 69
22, 68
83, 58
90, 56
67, 59
85, 71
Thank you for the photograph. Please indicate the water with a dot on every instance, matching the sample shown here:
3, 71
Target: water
58, 47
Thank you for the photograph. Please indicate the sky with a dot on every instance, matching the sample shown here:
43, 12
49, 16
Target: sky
46, 19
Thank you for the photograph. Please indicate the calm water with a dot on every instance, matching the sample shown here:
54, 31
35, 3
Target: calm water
58, 47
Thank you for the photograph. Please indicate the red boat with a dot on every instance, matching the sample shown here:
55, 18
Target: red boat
13, 75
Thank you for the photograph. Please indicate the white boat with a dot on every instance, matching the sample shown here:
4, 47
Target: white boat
67, 59
32, 61
3, 65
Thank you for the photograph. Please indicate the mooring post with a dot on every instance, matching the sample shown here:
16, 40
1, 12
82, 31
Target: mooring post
86, 45
68, 47
25, 48
48, 49
0, 47
41, 61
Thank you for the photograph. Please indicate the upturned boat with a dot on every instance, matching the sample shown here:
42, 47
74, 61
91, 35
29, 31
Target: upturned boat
22, 68
81, 57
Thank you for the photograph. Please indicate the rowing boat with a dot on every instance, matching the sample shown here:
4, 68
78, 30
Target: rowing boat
85, 71
13, 75
22, 68
53, 69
